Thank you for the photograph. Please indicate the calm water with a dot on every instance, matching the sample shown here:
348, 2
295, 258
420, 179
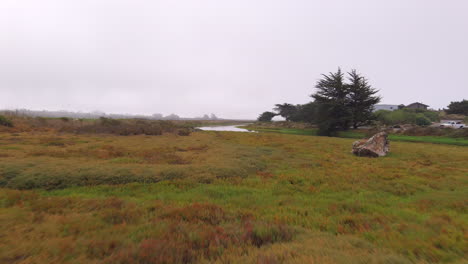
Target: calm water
225, 128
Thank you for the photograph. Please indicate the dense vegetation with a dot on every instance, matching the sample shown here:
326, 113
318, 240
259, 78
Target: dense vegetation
4, 121
418, 117
460, 108
221, 197
103, 125
266, 116
341, 104
338, 104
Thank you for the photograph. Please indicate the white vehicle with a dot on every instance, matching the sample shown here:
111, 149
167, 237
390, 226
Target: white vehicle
453, 125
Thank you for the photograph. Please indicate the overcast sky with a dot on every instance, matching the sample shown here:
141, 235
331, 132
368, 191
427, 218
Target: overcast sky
234, 58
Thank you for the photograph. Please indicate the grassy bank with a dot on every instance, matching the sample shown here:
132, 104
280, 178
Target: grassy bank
358, 135
224, 197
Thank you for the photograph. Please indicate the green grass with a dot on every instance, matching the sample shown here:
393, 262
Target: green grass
235, 198
358, 135
431, 139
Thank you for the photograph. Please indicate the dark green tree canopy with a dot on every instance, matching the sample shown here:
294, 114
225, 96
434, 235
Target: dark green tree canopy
5, 121
342, 104
332, 98
266, 116
305, 113
286, 110
460, 108
331, 88
362, 98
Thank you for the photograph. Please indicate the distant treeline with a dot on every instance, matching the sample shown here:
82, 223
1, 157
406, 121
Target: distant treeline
98, 114
103, 125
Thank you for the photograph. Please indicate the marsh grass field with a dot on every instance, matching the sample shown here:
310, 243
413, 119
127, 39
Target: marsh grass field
226, 197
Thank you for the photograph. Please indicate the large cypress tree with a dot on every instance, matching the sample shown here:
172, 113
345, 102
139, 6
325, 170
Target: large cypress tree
361, 99
332, 99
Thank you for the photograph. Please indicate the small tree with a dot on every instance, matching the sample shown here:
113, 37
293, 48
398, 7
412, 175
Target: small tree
266, 116
361, 99
460, 108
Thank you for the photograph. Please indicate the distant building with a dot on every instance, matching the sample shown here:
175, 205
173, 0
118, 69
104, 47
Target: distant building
417, 106
387, 107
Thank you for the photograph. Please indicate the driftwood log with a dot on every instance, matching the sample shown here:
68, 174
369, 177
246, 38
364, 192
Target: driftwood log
376, 146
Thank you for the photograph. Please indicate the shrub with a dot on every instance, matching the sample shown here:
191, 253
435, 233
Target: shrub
422, 120
5, 121
183, 132
407, 116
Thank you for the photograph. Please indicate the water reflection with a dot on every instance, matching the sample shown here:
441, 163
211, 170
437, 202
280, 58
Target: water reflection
225, 128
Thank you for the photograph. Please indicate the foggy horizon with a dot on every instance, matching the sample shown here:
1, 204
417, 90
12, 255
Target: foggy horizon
233, 59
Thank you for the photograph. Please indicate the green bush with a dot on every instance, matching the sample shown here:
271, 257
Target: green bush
5, 121
431, 115
422, 120
407, 116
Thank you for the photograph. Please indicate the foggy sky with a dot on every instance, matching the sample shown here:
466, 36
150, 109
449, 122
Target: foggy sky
234, 58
